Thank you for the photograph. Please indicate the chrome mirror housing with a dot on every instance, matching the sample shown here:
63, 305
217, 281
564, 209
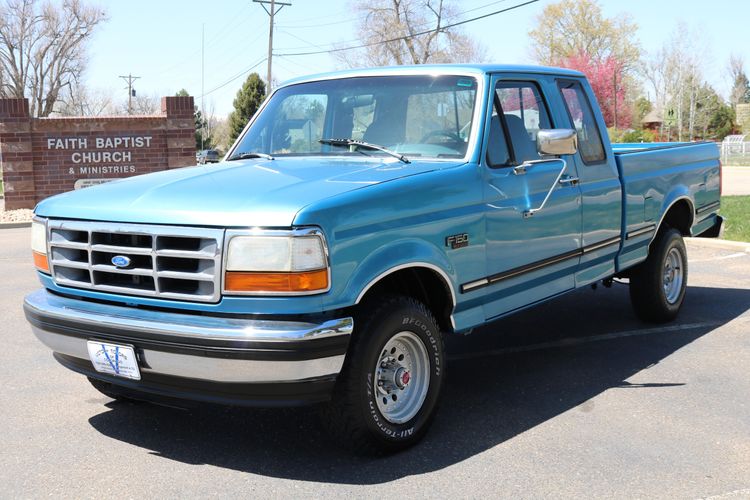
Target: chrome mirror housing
556, 142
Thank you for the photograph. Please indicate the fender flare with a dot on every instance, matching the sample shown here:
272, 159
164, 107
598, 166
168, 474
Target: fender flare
674, 197
403, 254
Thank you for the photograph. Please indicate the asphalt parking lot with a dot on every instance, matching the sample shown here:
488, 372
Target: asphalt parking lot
571, 399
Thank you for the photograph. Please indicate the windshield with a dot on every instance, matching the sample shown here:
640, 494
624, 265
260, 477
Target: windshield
415, 115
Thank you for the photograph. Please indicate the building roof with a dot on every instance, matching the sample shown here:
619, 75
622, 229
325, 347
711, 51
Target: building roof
652, 116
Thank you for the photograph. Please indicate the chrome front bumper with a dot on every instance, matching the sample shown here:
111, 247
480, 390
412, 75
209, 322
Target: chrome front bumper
184, 350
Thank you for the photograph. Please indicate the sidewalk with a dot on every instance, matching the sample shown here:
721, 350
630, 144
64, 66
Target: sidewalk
736, 181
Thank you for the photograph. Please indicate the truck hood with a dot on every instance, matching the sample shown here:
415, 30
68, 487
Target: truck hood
229, 194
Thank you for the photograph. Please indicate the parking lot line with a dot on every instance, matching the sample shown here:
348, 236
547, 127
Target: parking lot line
572, 341
723, 257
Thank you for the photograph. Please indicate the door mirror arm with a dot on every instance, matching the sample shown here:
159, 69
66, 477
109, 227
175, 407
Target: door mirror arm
531, 211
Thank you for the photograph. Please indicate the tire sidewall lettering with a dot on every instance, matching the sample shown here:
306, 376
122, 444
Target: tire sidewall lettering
388, 430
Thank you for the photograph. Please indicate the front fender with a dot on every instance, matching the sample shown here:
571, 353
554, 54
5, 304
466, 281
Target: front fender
400, 254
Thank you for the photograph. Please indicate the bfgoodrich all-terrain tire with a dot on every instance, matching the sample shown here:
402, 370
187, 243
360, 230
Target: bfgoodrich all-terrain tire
387, 393
657, 286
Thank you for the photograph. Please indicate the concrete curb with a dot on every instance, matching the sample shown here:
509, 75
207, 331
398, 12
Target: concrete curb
13, 225
739, 246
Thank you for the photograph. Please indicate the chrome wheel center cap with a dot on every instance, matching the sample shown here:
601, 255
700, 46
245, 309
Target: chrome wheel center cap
402, 377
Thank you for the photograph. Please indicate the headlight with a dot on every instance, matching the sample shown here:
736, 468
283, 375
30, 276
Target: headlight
276, 262
39, 244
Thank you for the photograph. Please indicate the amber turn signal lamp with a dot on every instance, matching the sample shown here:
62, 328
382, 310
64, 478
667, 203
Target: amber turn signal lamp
310, 281
40, 261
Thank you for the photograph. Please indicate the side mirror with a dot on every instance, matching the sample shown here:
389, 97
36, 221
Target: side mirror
556, 142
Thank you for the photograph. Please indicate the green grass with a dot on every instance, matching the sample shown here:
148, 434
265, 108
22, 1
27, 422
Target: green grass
736, 213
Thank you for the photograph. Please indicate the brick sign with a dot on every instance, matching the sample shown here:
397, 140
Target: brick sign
46, 156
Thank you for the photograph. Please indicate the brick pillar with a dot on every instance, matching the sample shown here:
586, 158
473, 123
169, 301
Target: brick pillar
180, 130
16, 158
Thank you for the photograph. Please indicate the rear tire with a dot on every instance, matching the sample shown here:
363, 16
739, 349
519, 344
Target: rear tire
657, 286
387, 393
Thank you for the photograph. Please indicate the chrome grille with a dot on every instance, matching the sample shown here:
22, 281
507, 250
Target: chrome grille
180, 263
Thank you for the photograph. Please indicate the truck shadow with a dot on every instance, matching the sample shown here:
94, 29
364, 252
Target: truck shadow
504, 380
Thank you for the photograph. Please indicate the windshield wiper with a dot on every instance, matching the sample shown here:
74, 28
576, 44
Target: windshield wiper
363, 144
250, 154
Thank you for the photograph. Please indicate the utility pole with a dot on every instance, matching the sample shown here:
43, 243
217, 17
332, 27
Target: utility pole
130, 79
203, 83
614, 81
271, 13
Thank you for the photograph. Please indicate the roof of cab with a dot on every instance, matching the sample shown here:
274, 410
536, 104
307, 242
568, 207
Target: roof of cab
437, 69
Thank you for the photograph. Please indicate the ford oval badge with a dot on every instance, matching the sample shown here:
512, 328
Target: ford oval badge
120, 261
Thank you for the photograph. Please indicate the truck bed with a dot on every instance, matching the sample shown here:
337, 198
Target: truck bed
654, 177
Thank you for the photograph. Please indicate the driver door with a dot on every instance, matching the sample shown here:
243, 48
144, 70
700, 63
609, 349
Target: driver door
529, 257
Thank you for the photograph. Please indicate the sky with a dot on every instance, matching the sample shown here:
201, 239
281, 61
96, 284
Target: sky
160, 41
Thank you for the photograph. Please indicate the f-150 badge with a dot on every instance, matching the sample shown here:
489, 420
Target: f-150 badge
457, 240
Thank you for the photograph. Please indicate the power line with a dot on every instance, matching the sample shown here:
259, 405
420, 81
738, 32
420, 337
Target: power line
458, 23
362, 18
455, 16
406, 37
220, 35
301, 62
307, 44
238, 75
227, 58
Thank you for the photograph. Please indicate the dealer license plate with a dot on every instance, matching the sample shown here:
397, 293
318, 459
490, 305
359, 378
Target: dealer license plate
118, 360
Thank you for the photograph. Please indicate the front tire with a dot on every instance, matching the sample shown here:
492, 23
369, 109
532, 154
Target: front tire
657, 286
387, 393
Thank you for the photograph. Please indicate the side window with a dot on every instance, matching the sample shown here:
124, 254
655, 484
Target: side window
523, 101
519, 113
581, 115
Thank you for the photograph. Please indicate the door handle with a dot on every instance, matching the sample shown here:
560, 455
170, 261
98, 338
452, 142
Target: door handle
568, 180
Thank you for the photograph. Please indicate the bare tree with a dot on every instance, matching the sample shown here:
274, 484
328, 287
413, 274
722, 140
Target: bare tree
43, 49
142, 104
654, 71
79, 100
740, 92
675, 73
220, 133
390, 29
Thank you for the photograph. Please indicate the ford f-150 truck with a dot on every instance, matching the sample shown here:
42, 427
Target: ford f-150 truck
359, 219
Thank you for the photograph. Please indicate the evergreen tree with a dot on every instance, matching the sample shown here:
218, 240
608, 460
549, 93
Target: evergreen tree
201, 141
247, 102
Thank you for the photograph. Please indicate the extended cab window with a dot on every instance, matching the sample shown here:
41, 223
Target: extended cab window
581, 115
518, 115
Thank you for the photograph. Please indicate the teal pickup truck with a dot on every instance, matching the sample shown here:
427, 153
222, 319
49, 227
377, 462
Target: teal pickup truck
359, 219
